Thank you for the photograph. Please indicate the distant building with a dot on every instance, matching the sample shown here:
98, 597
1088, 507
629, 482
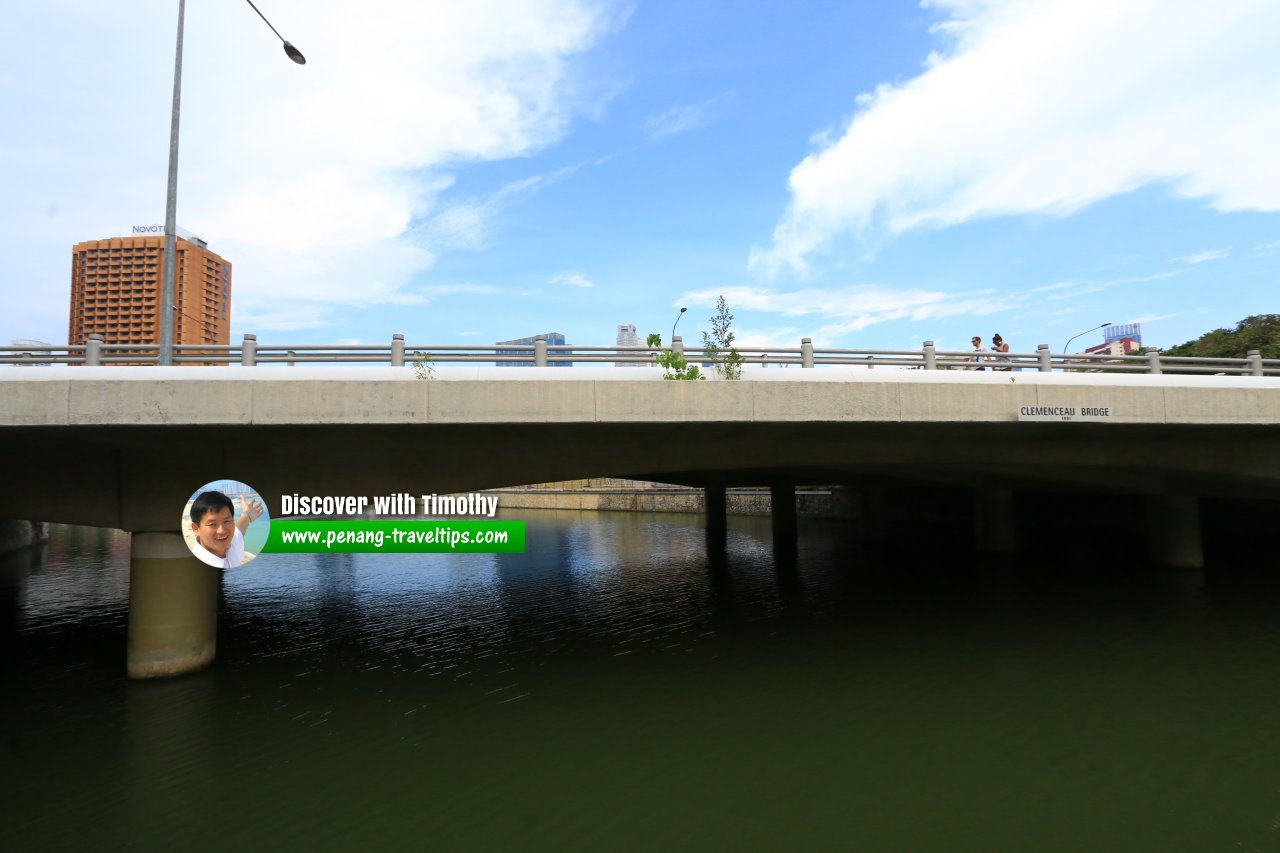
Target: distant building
36, 351
627, 338
1119, 346
116, 282
1132, 331
553, 339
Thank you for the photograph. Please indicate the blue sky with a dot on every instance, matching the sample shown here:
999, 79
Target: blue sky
868, 174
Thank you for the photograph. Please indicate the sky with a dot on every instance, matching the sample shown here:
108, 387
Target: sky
867, 173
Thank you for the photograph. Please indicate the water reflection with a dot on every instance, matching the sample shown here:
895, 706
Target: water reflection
619, 685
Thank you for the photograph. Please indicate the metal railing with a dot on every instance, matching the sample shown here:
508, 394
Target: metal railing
249, 353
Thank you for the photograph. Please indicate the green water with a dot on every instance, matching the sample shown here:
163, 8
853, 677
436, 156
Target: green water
613, 689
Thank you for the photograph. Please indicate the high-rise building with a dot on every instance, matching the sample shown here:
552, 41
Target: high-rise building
553, 339
1120, 331
115, 291
627, 338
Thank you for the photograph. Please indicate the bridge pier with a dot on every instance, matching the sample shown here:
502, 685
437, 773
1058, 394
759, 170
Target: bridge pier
782, 506
872, 517
173, 608
716, 506
993, 520
1173, 531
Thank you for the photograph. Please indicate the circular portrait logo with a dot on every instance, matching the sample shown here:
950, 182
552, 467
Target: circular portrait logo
225, 523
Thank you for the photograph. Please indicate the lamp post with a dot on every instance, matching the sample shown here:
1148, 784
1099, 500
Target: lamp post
167, 305
676, 323
1085, 332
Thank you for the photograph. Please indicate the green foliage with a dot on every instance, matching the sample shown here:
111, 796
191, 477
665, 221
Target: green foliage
720, 341
424, 366
1260, 332
673, 363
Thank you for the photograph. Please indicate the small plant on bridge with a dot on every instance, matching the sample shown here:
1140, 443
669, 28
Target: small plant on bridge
673, 363
424, 366
720, 343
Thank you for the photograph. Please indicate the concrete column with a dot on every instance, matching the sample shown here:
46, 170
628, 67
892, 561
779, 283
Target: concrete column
93, 350
1173, 531
993, 520
930, 356
677, 345
173, 608
1045, 357
397, 350
717, 510
540, 351
782, 503
1255, 362
806, 352
249, 351
1153, 362
872, 521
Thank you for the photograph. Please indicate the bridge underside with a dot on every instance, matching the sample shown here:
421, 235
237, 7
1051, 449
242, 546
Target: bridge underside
138, 478
906, 477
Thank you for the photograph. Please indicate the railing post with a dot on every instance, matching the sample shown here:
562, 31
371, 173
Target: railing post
1153, 362
291, 354
540, 351
397, 350
249, 351
930, 356
806, 352
677, 345
93, 350
1255, 362
1045, 357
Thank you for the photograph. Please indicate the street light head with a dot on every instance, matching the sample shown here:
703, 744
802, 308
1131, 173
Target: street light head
1104, 325
294, 54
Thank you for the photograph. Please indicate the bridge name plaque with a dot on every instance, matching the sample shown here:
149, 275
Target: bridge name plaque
1064, 413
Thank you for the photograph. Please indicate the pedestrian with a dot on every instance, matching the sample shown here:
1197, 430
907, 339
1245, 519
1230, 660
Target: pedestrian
998, 345
975, 360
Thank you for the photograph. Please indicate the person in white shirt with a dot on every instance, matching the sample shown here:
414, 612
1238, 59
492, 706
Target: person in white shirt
219, 538
975, 360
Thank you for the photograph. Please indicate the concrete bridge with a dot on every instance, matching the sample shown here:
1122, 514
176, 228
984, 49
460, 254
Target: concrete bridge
125, 447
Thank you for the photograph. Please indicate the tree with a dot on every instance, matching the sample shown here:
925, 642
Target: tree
673, 364
721, 341
1260, 332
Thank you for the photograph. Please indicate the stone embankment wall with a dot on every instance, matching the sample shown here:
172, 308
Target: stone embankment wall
16, 534
819, 501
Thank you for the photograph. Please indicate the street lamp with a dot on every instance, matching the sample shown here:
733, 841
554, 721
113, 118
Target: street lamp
1085, 332
167, 305
676, 323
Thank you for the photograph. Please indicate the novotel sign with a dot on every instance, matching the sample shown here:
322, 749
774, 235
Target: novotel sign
158, 230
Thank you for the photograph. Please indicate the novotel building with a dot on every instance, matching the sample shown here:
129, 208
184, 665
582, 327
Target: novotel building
115, 289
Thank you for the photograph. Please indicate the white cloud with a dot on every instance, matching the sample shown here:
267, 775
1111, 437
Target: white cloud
309, 179
466, 224
575, 279
682, 119
851, 309
1046, 106
1153, 318
784, 337
1073, 289
1201, 257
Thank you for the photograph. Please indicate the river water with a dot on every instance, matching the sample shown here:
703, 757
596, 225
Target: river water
615, 688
